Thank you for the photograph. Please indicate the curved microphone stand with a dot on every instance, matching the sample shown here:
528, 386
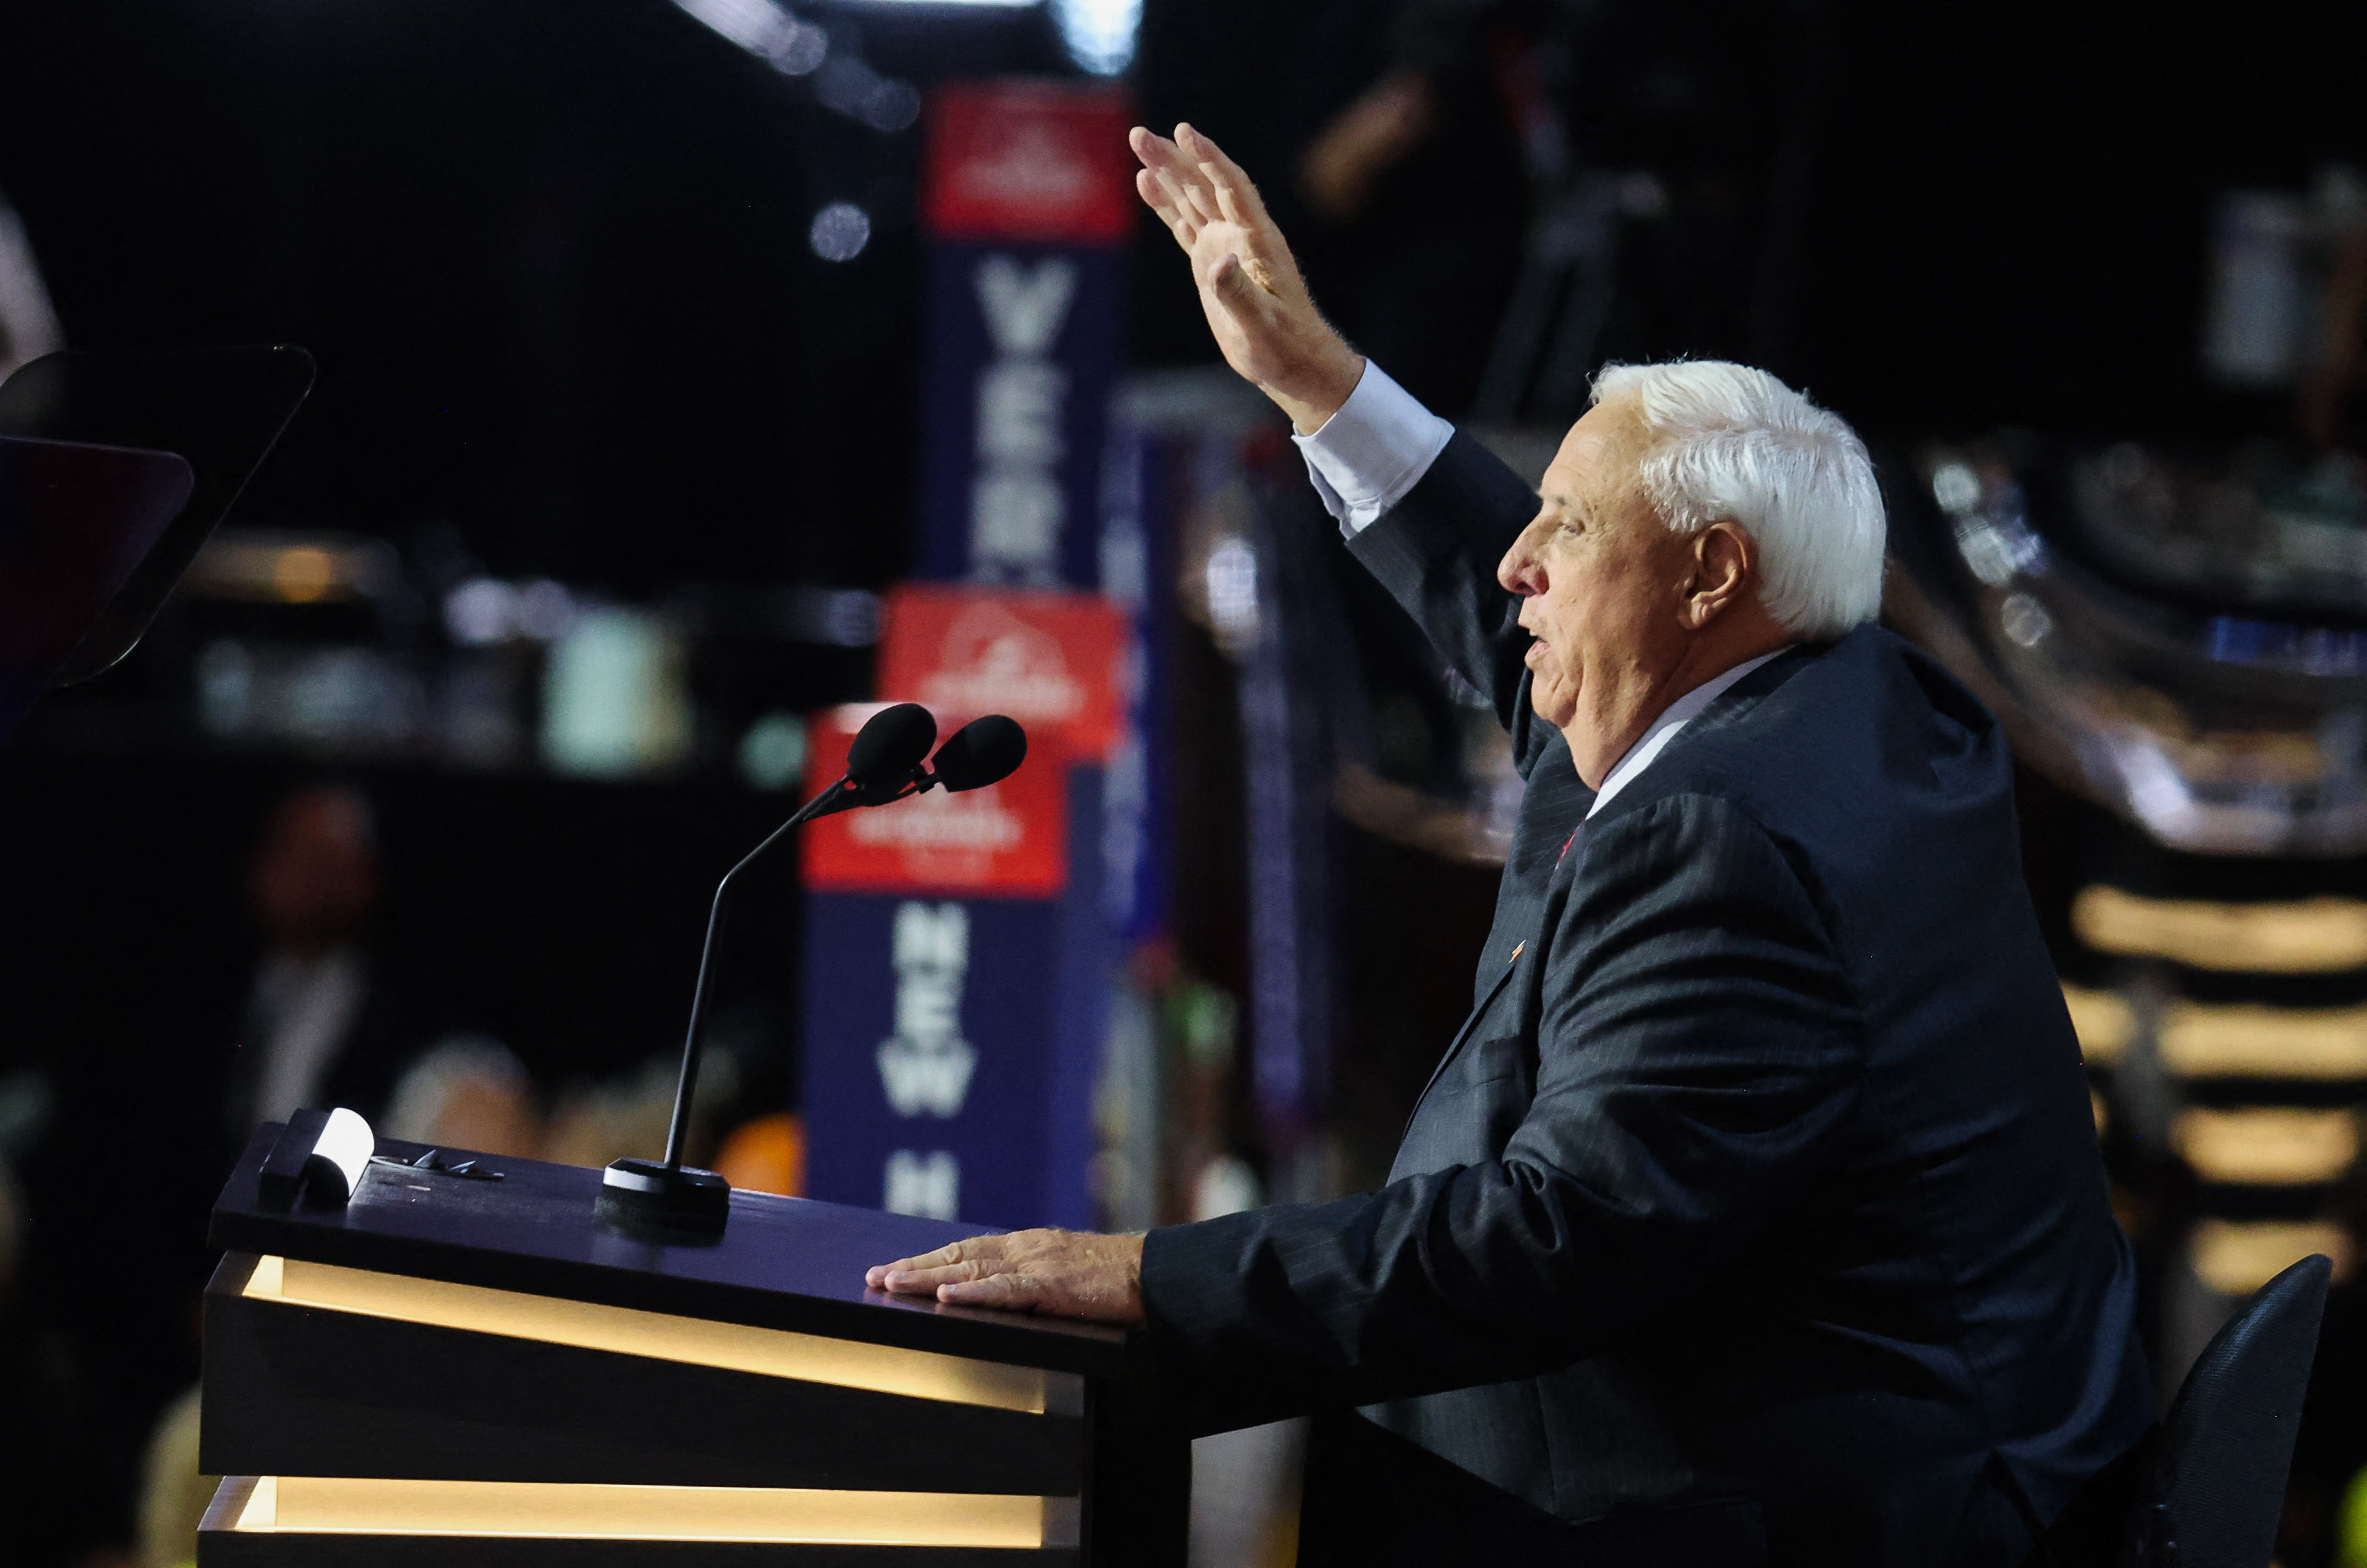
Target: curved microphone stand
884, 764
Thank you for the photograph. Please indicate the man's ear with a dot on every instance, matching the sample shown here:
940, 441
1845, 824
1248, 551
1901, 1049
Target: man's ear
1726, 569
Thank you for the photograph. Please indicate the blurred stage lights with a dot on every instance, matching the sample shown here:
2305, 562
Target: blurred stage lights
851, 87
1100, 36
842, 80
483, 611
773, 752
765, 30
840, 232
1099, 33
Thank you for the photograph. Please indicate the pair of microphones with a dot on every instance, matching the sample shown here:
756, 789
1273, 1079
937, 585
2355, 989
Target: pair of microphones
889, 761
885, 762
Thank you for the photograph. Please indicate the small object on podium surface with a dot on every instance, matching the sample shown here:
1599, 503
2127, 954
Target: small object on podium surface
887, 762
436, 1162
318, 1155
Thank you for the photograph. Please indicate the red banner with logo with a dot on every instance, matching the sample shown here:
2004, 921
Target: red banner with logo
1018, 160
1053, 661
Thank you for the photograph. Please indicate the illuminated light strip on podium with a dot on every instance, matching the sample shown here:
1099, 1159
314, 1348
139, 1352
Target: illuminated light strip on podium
627, 1331
310, 1505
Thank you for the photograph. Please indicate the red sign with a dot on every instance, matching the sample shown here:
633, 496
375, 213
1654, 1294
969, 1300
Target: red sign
1024, 159
1053, 661
1009, 838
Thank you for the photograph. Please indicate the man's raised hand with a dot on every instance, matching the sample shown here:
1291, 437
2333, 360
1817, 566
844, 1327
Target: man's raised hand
1075, 1274
1256, 303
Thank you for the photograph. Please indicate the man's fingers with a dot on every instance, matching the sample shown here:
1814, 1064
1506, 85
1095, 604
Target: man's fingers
921, 1281
1189, 197
927, 1275
1235, 195
1157, 152
1179, 176
1011, 1292
1155, 196
1212, 163
877, 1274
1192, 213
1157, 183
897, 1275
959, 1260
1204, 201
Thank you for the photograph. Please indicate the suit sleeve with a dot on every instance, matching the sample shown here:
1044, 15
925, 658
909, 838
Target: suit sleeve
1437, 553
1697, 1048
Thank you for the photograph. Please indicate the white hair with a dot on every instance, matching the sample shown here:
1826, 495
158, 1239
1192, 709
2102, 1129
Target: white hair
1732, 442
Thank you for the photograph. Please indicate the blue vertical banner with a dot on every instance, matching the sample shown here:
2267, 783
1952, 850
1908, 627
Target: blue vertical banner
1028, 200
1016, 409
937, 1043
1138, 565
959, 952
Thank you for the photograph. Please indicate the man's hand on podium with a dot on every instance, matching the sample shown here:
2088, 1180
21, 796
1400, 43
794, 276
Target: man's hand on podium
1074, 1274
1250, 288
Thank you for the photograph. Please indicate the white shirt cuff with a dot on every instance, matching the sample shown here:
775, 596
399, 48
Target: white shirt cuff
1373, 450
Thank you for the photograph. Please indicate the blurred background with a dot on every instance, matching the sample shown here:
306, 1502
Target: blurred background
663, 346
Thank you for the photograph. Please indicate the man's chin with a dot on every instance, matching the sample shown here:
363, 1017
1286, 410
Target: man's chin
1558, 714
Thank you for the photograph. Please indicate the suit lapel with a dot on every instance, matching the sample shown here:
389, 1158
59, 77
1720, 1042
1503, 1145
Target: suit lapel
1561, 870
1454, 1046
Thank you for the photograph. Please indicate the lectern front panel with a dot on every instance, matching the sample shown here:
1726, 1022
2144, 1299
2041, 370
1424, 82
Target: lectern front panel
449, 1371
317, 1371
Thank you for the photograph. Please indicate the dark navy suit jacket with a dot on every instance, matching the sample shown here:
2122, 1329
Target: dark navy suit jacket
1758, 1189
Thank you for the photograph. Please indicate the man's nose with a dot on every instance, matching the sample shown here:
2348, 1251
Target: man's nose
1518, 572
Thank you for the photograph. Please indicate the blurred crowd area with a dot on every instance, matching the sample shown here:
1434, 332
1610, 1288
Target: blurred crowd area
414, 798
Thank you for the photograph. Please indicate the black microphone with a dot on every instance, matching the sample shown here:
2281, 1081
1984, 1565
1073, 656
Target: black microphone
885, 758
891, 745
884, 763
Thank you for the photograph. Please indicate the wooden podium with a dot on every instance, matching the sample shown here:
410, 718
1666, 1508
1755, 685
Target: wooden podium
451, 1371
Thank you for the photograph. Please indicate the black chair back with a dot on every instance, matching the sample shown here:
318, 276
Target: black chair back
2212, 1493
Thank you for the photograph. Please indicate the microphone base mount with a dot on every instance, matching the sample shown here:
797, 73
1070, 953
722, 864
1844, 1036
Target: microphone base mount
647, 1195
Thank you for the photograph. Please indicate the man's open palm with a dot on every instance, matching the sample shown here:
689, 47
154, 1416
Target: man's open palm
1257, 304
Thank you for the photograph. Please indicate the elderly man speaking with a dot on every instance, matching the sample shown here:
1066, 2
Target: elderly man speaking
1754, 1215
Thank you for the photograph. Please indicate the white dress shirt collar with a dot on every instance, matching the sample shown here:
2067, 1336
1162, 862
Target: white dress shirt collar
1674, 717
